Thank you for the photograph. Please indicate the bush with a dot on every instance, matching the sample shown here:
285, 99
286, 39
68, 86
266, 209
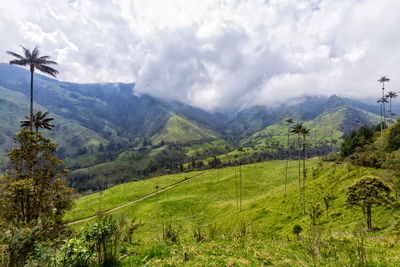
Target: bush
75, 252
394, 138
102, 238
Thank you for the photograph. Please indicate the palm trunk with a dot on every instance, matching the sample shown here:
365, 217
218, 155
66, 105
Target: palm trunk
31, 110
304, 172
381, 120
298, 141
384, 114
237, 198
240, 184
287, 160
390, 111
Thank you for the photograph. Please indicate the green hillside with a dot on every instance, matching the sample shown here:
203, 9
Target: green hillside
179, 130
70, 136
263, 227
332, 125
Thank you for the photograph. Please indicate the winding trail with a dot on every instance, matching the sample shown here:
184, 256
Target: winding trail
140, 199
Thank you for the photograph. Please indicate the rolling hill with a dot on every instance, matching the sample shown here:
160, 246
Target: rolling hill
202, 211
107, 134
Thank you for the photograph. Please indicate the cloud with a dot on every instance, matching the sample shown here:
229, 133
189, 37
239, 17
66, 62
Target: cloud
215, 54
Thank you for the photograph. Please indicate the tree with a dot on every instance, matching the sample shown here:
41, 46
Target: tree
33, 196
39, 121
297, 230
364, 135
304, 131
382, 80
391, 95
34, 191
33, 60
290, 121
392, 165
296, 129
315, 212
367, 192
382, 100
394, 138
327, 202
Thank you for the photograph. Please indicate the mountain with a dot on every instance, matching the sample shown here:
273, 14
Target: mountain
107, 133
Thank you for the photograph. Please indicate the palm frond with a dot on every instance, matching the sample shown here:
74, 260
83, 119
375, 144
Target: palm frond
25, 124
20, 62
35, 52
27, 53
383, 79
47, 70
14, 54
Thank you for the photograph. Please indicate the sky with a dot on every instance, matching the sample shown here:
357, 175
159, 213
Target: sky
215, 54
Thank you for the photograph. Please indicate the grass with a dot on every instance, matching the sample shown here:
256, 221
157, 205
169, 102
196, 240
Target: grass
325, 127
260, 234
179, 130
69, 134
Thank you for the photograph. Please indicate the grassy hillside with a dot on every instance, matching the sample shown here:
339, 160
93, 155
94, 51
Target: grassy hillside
69, 135
179, 130
331, 125
260, 234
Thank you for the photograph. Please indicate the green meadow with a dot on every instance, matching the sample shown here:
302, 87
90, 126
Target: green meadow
199, 221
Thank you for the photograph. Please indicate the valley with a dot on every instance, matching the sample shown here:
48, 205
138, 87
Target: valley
106, 134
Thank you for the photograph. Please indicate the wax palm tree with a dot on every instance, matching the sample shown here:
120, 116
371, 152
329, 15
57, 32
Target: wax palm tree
382, 80
391, 95
290, 121
296, 129
33, 60
39, 121
304, 131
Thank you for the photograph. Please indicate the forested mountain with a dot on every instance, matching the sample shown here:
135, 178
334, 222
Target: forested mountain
107, 133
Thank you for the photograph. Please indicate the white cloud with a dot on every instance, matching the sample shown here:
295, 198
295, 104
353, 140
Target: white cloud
215, 54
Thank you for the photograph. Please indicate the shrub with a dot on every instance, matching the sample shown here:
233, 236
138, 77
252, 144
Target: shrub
394, 138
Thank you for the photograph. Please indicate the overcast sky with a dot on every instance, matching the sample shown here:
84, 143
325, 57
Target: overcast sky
215, 54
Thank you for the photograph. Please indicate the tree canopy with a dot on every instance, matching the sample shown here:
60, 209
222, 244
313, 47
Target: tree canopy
367, 192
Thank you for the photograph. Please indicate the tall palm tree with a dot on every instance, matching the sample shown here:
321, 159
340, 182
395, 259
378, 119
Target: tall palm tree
304, 131
296, 129
33, 60
391, 95
382, 80
290, 121
39, 121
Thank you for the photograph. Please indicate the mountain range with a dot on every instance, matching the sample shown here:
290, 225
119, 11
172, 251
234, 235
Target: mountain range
106, 133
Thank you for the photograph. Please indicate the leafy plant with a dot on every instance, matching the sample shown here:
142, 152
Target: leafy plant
297, 230
367, 192
101, 237
75, 252
315, 212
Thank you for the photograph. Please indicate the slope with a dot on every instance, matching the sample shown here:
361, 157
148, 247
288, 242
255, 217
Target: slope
327, 128
179, 130
209, 203
71, 137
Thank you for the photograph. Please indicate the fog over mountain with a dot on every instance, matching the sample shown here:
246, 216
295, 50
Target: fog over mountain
216, 55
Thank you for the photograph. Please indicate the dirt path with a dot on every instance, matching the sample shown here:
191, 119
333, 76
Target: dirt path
139, 199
